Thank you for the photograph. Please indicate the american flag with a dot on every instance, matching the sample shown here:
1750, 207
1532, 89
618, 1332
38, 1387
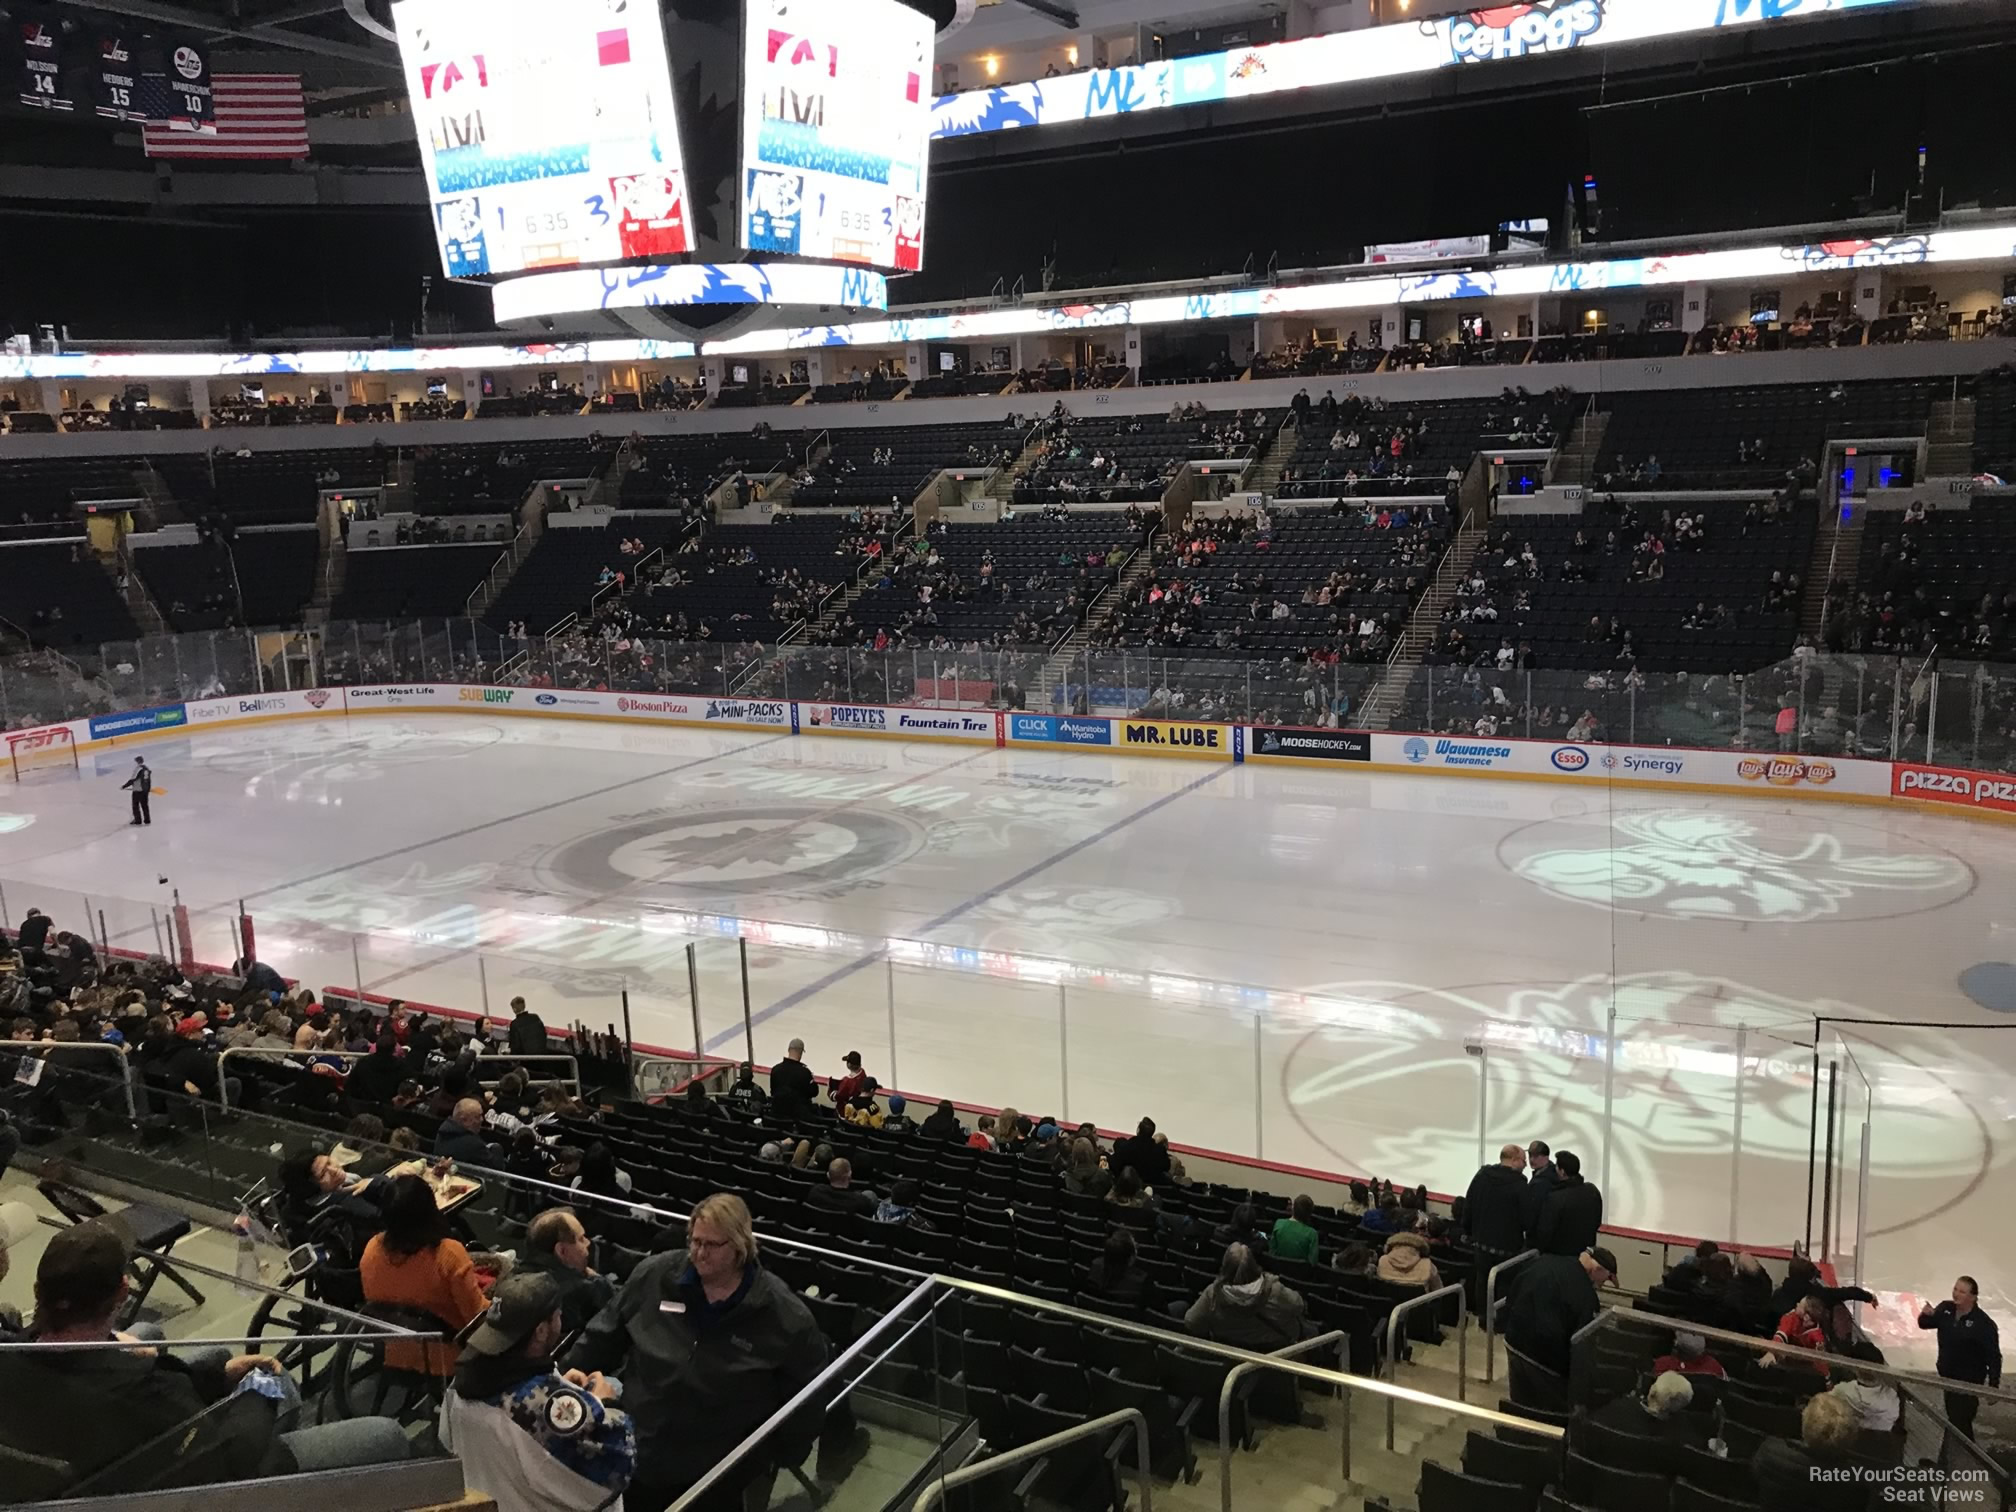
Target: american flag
258, 116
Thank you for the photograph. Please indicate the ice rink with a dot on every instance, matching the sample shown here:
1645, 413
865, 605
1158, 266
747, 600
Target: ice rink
1345, 971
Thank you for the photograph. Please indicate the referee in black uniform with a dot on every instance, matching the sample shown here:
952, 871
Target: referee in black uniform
141, 786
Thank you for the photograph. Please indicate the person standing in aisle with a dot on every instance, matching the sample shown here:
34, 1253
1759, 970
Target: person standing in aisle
1970, 1349
141, 786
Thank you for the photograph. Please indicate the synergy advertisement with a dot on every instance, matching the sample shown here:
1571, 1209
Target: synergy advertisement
546, 131
836, 126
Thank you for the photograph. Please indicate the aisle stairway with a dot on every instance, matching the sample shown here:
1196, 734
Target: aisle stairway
1390, 696
1575, 460
1056, 670
1265, 474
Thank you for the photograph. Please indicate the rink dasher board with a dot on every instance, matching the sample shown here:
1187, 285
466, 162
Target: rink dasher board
1673, 769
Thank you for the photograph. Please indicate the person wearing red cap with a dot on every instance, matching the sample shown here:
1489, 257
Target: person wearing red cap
191, 1067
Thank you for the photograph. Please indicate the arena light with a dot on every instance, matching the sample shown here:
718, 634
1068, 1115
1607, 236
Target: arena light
111, 366
1486, 35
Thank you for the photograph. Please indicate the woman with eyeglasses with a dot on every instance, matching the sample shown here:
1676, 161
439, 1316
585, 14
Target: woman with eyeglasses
708, 1345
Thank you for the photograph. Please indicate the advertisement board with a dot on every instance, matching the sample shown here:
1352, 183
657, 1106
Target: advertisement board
1969, 790
547, 132
748, 711
393, 696
1319, 745
205, 711
1066, 729
836, 129
1484, 34
1164, 737
138, 721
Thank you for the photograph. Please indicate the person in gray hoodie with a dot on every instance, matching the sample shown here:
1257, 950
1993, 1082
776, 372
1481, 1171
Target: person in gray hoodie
1247, 1307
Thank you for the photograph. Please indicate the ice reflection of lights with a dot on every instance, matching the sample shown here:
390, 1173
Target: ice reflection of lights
654, 943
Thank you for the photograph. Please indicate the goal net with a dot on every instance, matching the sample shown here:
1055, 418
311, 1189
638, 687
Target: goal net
33, 751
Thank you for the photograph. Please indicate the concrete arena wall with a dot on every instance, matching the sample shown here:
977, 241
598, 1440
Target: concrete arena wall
1670, 768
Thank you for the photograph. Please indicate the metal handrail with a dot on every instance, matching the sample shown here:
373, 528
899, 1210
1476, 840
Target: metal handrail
1491, 1307
1038, 1448
267, 1342
1336, 1336
1454, 1289
125, 1069
1780, 1349
271, 1052
922, 1290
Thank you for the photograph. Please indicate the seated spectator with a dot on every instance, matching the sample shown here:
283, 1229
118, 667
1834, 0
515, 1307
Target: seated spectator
839, 1194
900, 1206
1384, 1219
1875, 1400
1085, 1177
1661, 1418
460, 1137
557, 1246
846, 1087
1814, 1474
709, 1345
1405, 1262
166, 1420
1117, 1276
1148, 1157
322, 1205
1805, 1327
414, 1264
1128, 1192
530, 1438
944, 1123
1293, 1237
1355, 1259
1689, 1357
1246, 1307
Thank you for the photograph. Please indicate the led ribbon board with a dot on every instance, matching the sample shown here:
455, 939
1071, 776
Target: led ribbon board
1488, 34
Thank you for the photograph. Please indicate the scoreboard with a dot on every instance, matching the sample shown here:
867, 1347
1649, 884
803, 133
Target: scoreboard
836, 126
547, 131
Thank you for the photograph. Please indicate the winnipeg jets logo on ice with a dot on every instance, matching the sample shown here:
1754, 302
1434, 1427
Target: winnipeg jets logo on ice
1701, 865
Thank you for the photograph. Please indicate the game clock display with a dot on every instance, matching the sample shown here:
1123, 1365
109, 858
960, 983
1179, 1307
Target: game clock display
547, 131
836, 128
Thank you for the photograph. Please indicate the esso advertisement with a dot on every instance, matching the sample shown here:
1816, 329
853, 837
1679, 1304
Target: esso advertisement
836, 130
546, 131
1942, 785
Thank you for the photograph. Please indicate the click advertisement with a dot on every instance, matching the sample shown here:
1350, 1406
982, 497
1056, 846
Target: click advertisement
1060, 729
138, 721
1318, 745
1975, 790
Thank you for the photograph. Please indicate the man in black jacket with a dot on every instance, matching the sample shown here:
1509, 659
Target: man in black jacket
527, 1034
792, 1090
1553, 1298
1493, 1208
840, 1195
1970, 1348
178, 1422
460, 1137
1541, 1178
1571, 1213
34, 937
1148, 1157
